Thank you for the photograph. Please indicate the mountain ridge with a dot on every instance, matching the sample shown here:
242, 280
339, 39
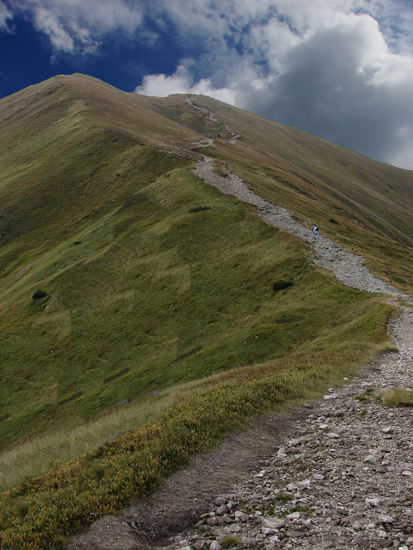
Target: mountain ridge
158, 293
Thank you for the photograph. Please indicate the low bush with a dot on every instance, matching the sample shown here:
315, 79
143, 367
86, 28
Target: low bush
198, 209
38, 294
332, 220
279, 285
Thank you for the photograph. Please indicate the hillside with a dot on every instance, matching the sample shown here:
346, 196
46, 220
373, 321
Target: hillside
158, 289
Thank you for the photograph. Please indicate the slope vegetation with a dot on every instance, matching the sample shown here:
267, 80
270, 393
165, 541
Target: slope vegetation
150, 279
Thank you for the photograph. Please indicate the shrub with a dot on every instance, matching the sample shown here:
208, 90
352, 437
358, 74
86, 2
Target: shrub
279, 285
332, 220
38, 294
198, 209
400, 280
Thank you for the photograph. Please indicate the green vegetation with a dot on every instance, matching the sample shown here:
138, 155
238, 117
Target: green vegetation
279, 285
229, 542
284, 497
398, 397
198, 209
134, 334
132, 466
39, 294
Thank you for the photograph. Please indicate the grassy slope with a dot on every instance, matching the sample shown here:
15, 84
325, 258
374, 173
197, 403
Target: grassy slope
141, 293
138, 294
371, 201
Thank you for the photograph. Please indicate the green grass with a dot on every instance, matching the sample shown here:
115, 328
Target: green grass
159, 317
229, 541
132, 466
156, 304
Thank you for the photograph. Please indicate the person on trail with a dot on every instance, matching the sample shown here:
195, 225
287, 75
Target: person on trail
315, 231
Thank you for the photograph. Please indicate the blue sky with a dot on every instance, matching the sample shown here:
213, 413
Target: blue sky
340, 69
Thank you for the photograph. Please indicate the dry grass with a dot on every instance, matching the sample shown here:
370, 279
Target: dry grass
398, 397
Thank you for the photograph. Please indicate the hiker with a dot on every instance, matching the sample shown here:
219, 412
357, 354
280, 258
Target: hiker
315, 231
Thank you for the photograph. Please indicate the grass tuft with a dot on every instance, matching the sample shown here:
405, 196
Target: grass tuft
398, 397
229, 541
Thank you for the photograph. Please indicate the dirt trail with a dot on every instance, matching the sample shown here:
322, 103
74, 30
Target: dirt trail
335, 473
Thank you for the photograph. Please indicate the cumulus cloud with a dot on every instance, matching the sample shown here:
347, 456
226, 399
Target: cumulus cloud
342, 83
180, 83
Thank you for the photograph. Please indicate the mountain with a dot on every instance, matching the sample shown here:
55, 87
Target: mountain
150, 277
143, 313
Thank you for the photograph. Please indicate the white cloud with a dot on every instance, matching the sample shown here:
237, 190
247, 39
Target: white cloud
79, 25
180, 83
5, 15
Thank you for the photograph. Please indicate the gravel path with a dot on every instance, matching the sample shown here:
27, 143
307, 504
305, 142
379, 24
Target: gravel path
335, 473
343, 478
347, 267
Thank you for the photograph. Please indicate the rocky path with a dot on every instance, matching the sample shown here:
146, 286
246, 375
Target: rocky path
343, 478
347, 267
209, 115
335, 473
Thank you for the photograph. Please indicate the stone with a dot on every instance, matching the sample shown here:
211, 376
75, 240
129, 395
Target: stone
267, 531
333, 435
370, 459
374, 502
227, 519
407, 473
304, 484
294, 515
273, 523
215, 545
241, 516
222, 510
281, 453
385, 519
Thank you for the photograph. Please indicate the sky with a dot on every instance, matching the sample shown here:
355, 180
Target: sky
339, 69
